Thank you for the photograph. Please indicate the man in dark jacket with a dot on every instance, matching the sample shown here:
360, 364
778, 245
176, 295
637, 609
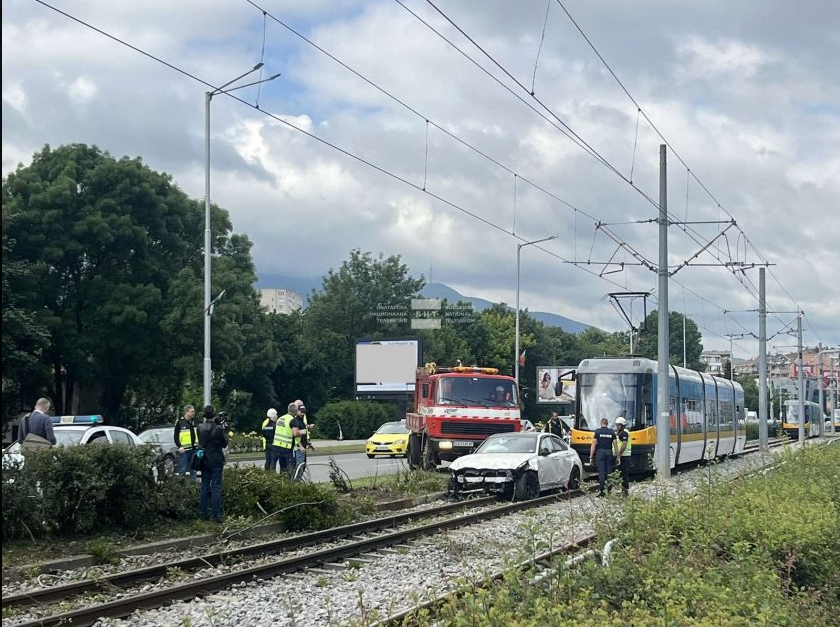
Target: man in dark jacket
212, 438
38, 422
556, 426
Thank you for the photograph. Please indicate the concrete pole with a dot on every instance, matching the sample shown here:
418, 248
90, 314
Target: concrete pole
800, 379
821, 427
208, 96
516, 341
663, 422
762, 363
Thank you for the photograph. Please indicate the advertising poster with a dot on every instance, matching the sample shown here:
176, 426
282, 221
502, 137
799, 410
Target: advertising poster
553, 387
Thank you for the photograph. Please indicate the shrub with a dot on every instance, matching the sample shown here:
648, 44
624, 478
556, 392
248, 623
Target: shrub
23, 508
245, 443
359, 419
243, 488
87, 488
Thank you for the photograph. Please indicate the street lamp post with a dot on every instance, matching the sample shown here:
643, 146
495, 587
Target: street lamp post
519, 248
208, 96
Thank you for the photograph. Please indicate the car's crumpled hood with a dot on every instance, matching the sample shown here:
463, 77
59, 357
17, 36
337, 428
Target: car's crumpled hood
492, 461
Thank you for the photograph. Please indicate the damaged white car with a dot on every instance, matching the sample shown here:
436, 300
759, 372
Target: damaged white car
517, 465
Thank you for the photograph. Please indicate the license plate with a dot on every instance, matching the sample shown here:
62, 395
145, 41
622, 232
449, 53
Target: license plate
463, 443
382, 448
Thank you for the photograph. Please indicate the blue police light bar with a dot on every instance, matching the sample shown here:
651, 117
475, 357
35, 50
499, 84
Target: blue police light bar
94, 419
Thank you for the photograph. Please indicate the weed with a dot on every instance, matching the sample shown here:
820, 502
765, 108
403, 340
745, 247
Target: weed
104, 552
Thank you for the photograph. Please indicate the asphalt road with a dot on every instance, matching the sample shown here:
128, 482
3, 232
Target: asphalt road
356, 465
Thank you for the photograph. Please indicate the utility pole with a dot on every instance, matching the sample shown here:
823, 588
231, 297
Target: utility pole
800, 379
821, 425
762, 364
663, 419
732, 336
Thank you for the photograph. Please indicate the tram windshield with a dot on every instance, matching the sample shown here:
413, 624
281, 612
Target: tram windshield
604, 395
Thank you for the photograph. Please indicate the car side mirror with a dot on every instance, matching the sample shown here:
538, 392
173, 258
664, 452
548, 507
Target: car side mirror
544, 452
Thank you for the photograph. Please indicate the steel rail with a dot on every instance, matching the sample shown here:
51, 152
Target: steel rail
122, 579
154, 599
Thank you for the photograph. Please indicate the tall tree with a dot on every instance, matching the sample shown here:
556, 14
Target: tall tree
649, 340
112, 250
347, 307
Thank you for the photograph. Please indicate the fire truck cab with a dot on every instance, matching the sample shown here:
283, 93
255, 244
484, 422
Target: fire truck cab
455, 409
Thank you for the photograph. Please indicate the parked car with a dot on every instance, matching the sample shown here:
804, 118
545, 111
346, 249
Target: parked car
161, 437
526, 425
390, 439
78, 431
517, 465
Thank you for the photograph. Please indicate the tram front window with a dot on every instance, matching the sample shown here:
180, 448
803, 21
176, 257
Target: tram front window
610, 396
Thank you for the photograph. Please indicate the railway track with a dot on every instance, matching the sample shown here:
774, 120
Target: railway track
361, 543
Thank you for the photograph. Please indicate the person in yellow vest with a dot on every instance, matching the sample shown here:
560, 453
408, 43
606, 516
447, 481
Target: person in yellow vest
267, 435
186, 439
306, 421
285, 434
625, 446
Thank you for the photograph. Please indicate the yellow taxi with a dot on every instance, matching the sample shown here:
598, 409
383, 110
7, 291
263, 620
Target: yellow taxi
390, 439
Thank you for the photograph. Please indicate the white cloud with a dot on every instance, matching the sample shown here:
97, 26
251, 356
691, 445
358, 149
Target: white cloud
753, 108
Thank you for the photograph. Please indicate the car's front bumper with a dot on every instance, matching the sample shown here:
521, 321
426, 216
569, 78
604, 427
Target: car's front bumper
392, 448
491, 481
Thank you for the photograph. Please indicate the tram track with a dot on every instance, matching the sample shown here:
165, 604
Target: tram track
362, 543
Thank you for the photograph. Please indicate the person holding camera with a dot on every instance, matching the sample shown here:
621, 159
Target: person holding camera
213, 440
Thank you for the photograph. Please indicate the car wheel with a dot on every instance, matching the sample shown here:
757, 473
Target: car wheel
527, 487
392, 456
574, 479
168, 465
370, 456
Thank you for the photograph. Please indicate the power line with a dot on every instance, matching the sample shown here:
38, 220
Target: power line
325, 142
571, 134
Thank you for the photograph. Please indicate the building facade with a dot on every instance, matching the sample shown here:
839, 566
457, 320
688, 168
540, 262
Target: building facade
281, 301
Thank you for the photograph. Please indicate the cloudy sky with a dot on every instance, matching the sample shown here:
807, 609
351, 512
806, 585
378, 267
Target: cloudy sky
746, 94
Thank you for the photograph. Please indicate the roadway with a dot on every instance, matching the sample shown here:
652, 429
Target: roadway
356, 465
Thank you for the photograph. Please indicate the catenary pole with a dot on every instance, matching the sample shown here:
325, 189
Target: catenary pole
762, 363
800, 379
663, 422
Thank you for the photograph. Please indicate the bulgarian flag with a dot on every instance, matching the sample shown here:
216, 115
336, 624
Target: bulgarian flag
522, 358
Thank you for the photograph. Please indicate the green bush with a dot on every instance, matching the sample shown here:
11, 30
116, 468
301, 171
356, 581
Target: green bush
245, 442
23, 508
247, 489
87, 488
359, 419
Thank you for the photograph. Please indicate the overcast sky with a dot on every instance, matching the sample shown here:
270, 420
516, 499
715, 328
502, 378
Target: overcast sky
747, 93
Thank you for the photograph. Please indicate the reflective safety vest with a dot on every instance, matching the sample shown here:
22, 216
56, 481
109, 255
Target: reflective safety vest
187, 435
283, 437
267, 432
629, 446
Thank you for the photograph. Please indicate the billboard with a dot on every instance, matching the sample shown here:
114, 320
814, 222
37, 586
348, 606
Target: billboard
553, 387
386, 366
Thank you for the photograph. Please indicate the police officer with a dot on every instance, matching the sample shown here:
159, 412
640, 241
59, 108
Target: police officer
186, 439
625, 446
267, 434
285, 435
604, 452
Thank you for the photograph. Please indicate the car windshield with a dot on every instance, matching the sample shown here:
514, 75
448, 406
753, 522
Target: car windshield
68, 437
392, 427
476, 391
156, 435
509, 444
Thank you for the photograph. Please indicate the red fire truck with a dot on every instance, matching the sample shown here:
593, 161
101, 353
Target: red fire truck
455, 409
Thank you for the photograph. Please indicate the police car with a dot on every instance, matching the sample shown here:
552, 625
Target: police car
78, 431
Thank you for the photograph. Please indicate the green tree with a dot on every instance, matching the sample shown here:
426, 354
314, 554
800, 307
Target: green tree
346, 308
112, 251
649, 340
25, 338
750, 386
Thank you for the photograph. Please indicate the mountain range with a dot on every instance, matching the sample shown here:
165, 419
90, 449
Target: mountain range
304, 285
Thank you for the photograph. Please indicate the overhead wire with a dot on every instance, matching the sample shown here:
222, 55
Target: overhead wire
694, 235
320, 140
